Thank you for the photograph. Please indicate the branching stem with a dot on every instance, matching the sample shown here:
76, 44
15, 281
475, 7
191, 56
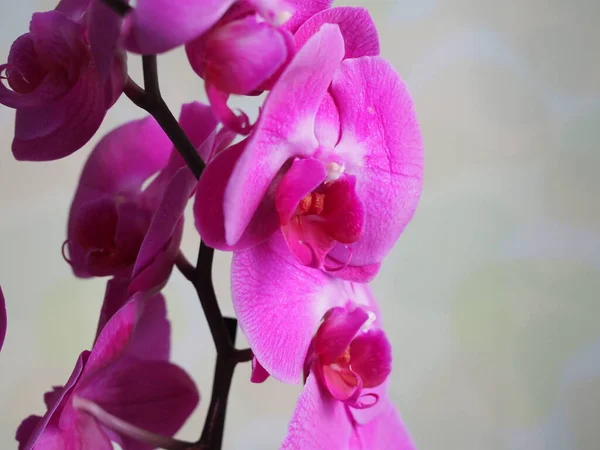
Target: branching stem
223, 329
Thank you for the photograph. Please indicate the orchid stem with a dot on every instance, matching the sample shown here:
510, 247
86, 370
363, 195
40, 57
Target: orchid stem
223, 329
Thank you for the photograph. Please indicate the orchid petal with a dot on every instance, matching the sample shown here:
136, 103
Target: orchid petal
154, 395
319, 421
218, 100
279, 305
381, 145
115, 297
239, 56
371, 355
104, 30
28, 436
385, 431
138, 329
58, 41
208, 205
337, 332
155, 26
165, 221
304, 10
2, 318
303, 177
307, 241
80, 111
74, 9
285, 128
357, 27
327, 123
345, 271
259, 373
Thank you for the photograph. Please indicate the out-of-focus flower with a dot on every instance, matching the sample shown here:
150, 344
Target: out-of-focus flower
56, 89
117, 225
127, 375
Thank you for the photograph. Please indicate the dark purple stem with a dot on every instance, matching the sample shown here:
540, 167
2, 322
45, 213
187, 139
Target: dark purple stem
223, 329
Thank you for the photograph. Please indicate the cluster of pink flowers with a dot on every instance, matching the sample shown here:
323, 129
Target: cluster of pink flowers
310, 199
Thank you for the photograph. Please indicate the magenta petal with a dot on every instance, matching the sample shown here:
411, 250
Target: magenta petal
285, 128
115, 297
259, 373
343, 384
104, 30
303, 177
26, 429
357, 27
381, 144
319, 422
198, 121
241, 55
304, 10
139, 329
3, 319
30, 437
385, 431
279, 305
154, 395
156, 26
74, 9
358, 274
164, 223
122, 161
327, 123
58, 41
337, 332
371, 357
80, 113
208, 205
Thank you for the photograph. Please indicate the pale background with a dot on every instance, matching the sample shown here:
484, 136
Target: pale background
492, 295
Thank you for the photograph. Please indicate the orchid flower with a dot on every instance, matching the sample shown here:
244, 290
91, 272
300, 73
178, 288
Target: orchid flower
127, 377
56, 89
328, 332
2, 318
118, 227
335, 162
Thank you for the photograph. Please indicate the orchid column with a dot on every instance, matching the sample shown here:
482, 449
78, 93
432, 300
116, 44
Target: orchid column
310, 199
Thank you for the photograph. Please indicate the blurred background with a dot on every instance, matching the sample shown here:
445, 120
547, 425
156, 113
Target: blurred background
491, 298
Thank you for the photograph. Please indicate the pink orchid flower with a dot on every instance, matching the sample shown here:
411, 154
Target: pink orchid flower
56, 89
327, 332
335, 162
126, 379
117, 226
2, 318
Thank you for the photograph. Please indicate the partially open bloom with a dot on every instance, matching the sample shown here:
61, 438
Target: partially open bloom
119, 226
126, 375
239, 55
335, 162
2, 318
60, 97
